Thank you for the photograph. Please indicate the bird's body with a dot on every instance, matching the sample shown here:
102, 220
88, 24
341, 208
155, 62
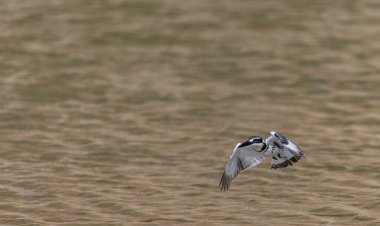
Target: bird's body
254, 150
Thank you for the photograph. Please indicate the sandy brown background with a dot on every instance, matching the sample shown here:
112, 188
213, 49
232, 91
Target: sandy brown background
125, 112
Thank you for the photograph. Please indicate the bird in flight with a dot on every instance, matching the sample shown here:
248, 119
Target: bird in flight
254, 150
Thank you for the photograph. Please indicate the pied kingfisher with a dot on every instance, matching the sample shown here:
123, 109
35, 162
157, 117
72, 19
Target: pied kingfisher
254, 150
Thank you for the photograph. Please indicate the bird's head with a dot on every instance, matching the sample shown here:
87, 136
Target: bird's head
255, 142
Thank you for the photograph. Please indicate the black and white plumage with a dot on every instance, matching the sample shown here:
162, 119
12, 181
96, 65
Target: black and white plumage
254, 150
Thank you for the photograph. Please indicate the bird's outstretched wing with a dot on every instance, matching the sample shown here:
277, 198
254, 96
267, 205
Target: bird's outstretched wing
241, 159
290, 153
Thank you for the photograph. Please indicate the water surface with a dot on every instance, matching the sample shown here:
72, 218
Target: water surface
125, 112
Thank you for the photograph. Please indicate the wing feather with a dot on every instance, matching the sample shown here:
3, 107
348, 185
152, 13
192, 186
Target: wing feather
290, 154
240, 160
289, 145
280, 163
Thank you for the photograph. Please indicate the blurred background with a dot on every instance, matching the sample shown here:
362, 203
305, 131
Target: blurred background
124, 112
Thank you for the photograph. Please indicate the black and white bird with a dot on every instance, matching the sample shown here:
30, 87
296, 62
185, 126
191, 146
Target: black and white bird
254, 150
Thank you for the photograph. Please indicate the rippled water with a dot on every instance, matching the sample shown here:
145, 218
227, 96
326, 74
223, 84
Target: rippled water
125, 112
